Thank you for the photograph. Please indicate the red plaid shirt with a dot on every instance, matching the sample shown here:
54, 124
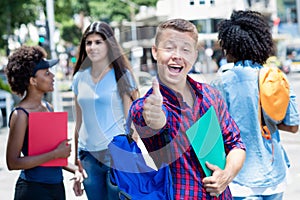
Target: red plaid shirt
185, 168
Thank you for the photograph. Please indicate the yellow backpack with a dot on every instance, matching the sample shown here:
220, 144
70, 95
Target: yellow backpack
274, 96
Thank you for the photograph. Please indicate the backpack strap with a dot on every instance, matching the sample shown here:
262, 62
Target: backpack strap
265, 132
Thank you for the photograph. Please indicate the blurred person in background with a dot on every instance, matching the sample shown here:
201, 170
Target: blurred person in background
247, 42
104, 88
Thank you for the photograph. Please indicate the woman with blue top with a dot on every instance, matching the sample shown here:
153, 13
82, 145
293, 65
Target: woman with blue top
104, 89
246, 40
29, 76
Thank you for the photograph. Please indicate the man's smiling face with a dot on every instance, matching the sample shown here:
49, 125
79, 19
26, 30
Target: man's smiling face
175, 54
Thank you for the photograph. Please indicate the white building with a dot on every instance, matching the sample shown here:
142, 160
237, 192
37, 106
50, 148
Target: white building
204, 13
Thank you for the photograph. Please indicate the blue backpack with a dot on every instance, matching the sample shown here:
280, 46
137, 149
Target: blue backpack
131, 178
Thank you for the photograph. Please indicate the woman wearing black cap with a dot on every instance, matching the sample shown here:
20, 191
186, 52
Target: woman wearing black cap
29, 76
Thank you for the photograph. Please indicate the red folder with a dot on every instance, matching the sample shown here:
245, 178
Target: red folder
46, 130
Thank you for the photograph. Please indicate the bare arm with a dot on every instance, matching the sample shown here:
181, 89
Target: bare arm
71, 168
234, 162
127, 101
220, 179
126, 104
292, 129
14, 160
77, 169
78, 121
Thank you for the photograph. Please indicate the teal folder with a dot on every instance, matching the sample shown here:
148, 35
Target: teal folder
206, 139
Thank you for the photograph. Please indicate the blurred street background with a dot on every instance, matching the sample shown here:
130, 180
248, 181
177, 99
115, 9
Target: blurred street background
291, 143
58, 25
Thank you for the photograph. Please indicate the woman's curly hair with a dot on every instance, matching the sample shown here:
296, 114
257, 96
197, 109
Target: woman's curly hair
20, 67
246, 36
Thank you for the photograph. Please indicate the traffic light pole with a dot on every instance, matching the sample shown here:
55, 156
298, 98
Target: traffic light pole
50, 17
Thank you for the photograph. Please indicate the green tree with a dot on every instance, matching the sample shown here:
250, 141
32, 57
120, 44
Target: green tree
106, 10
115, 10
13, 13
16, 12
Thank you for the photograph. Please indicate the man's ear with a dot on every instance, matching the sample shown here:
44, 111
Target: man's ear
154, 52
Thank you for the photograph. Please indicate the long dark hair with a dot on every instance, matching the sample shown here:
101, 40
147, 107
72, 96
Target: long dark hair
118, 59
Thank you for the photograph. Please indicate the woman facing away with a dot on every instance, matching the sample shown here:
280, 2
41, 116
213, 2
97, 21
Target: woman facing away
247, 42
29, 76
104, 88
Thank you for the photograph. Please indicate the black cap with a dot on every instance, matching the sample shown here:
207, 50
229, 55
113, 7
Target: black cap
44, 64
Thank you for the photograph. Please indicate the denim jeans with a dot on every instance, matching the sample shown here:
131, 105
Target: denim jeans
96, 164
278, 196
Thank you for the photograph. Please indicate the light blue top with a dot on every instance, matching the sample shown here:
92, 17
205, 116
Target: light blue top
101, 107
239, 86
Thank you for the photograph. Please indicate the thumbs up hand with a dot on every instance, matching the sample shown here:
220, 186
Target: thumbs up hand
153, 115
156, 90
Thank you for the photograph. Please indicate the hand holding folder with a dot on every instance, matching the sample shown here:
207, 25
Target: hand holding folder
206, 139
46, 130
